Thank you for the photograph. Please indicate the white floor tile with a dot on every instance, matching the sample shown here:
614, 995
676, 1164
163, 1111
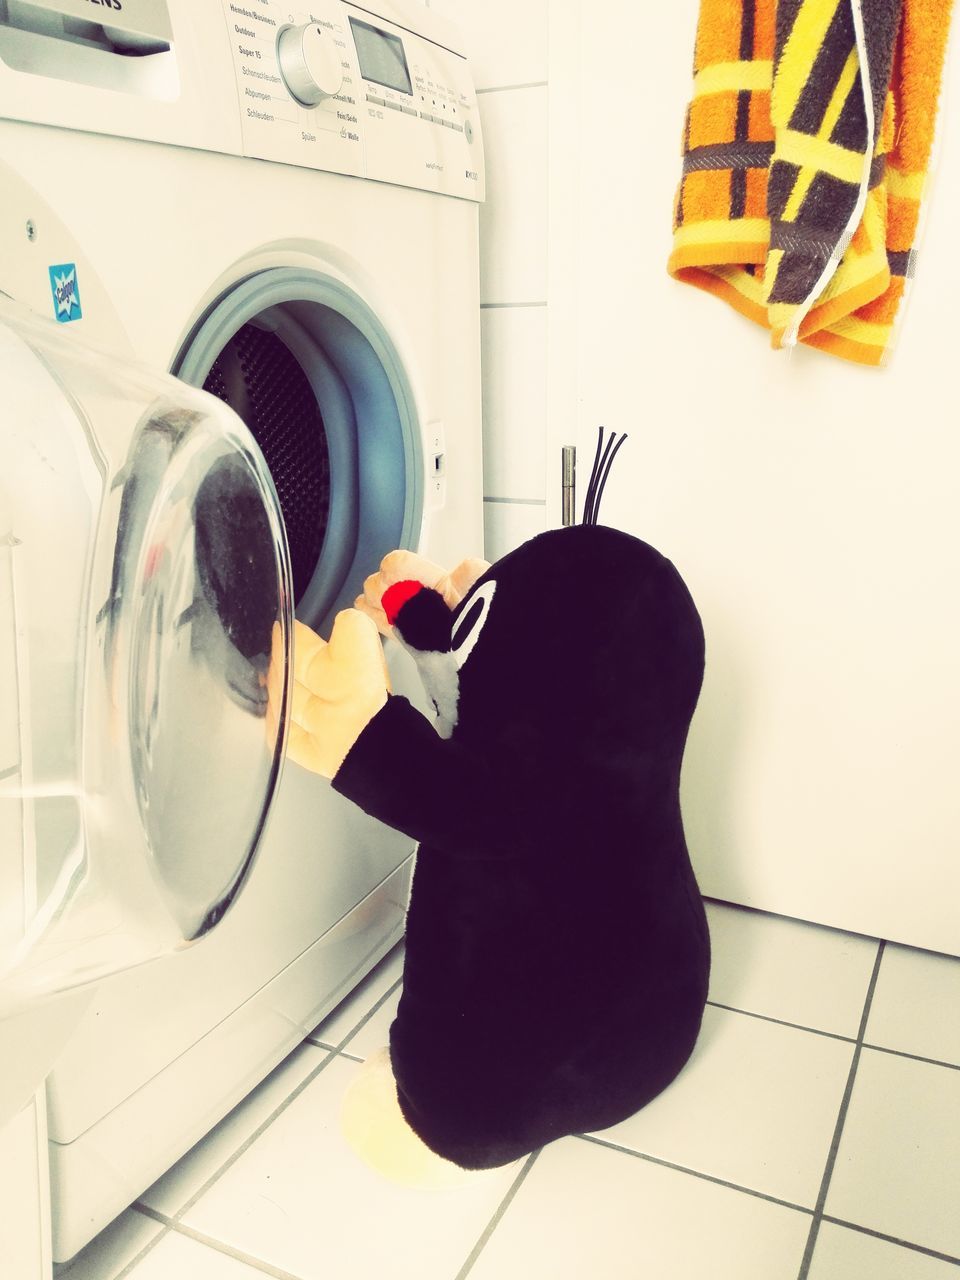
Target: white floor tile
842, 1254
916, 990
300, 1200
361, 1000
585, 1211
188, 1259
113, 1249
898, 1167
756, 1105
789, 970
171, 1192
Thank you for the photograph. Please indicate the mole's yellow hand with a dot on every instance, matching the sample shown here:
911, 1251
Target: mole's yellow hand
338, 688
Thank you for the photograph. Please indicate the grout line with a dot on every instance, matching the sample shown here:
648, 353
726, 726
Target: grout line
782, 1022
507, 306
147, 1248
506, 88
246, 1144
349, 986
495, 1220
341, 1044
694, 1173
841, 1119
219, 1246
294, 1093
882, 1235
519, 502
323, 1044
747, 1013
154, 1214
833, 1035
914, 1057
174, 1222
779, 915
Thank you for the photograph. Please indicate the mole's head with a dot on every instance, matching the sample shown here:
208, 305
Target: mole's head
584, 639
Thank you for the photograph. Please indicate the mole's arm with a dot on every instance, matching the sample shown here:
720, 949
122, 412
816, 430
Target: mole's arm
400, 771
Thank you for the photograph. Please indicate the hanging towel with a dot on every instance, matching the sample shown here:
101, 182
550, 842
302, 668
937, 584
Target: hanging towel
806, 150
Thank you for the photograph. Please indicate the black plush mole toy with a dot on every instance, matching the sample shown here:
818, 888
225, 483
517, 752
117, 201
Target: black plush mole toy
557, 953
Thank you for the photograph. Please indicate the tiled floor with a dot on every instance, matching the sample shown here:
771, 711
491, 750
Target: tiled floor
814, 1135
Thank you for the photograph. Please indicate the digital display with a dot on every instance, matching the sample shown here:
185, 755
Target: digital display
381, 55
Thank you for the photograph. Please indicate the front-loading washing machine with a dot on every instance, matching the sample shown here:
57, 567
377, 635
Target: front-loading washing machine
279, 205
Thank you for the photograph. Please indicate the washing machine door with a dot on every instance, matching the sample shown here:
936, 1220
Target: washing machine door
145, 626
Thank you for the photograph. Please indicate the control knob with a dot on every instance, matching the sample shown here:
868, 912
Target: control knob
309, 63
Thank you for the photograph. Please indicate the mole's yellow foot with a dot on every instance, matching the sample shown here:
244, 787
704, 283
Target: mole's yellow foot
373, 1124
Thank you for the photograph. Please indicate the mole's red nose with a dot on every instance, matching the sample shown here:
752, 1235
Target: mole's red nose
395, 597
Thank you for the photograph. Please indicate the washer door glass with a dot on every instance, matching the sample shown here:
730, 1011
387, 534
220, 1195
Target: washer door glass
144, 634
196, 633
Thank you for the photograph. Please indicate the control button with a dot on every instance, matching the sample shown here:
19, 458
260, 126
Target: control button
394, 106
309, 63
380, 102
409, 111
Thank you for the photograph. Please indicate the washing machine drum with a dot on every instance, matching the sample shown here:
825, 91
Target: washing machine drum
145, 615
260, 378
311, 369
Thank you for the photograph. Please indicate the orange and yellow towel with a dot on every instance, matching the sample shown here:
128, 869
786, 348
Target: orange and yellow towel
806, 151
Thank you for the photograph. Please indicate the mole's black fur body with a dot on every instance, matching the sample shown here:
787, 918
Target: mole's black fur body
557, 951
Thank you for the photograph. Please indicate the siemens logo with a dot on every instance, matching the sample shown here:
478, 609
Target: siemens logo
116, 5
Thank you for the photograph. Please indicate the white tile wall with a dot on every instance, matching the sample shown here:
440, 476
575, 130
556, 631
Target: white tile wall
506, 41
507, 524
514, 354
513, 220
508, 46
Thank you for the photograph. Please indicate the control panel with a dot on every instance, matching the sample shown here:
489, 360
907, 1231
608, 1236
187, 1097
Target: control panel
341, 88
373, 88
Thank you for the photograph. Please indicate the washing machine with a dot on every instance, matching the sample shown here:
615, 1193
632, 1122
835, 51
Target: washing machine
279, 205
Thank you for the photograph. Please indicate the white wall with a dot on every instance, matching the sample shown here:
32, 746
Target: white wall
811, 506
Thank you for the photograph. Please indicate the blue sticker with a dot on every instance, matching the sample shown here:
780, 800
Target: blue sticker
66, 292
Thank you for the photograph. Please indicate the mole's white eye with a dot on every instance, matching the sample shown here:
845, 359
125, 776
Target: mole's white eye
471, 622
